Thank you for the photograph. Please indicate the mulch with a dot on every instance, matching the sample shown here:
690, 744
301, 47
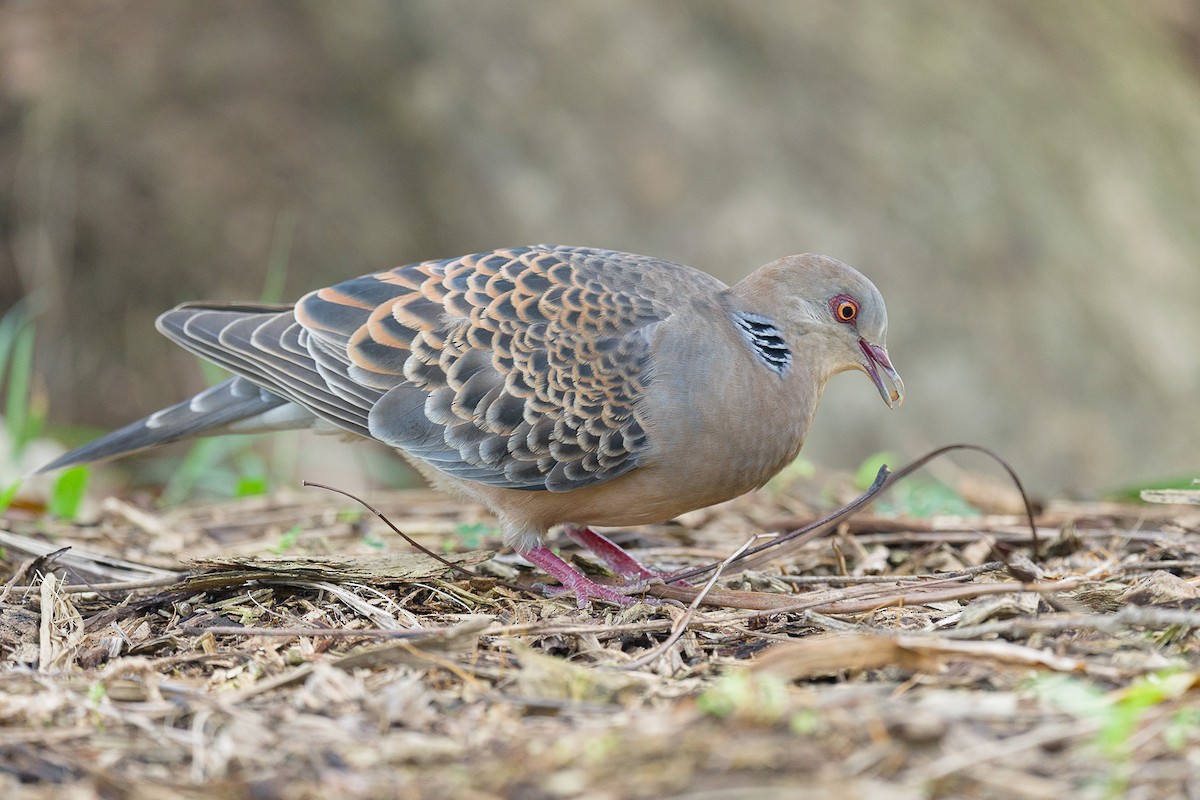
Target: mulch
291, 646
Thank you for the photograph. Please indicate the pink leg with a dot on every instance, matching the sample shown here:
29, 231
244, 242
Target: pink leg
612, 554
573, 581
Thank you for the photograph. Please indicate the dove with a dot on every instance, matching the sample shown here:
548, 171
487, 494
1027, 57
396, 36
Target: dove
557, 386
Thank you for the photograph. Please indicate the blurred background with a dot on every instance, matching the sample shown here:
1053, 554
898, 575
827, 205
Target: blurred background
1021, 179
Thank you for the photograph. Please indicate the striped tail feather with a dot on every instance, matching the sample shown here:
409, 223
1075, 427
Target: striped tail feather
232, 406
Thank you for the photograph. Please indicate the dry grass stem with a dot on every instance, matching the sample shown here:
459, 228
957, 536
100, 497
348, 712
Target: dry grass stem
924, 657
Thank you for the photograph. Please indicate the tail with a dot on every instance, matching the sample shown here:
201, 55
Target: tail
236, 405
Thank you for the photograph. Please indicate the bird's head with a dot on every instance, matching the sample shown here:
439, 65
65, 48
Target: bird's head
833, 311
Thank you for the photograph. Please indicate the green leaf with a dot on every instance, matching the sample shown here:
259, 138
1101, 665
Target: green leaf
761, 698
199, 462
870, 468
69, 490
1072, 695
288, 539
6, 496
206, 467
799, 469
926, 498
470, 534
805, 723
915, 496
1133, 494
22, 417
1184, 727
250, 486
12, 324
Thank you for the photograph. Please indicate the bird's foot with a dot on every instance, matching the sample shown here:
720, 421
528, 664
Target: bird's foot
615, 556
584, 588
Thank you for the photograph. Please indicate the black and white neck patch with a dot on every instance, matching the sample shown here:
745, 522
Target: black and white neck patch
765, 340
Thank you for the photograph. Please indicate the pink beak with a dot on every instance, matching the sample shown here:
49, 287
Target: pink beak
877, 366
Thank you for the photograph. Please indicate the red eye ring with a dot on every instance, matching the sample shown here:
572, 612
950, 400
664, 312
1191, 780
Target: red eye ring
844, 308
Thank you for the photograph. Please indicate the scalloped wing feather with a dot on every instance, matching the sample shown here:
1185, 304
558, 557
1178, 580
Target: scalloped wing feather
520, 368
517, 368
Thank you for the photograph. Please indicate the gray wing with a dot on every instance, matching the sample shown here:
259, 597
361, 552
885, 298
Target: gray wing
519, 368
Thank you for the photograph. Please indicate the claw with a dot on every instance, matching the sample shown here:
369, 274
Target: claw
587, 590
584, 588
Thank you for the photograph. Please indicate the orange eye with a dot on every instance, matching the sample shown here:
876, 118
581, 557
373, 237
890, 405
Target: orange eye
844, 308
